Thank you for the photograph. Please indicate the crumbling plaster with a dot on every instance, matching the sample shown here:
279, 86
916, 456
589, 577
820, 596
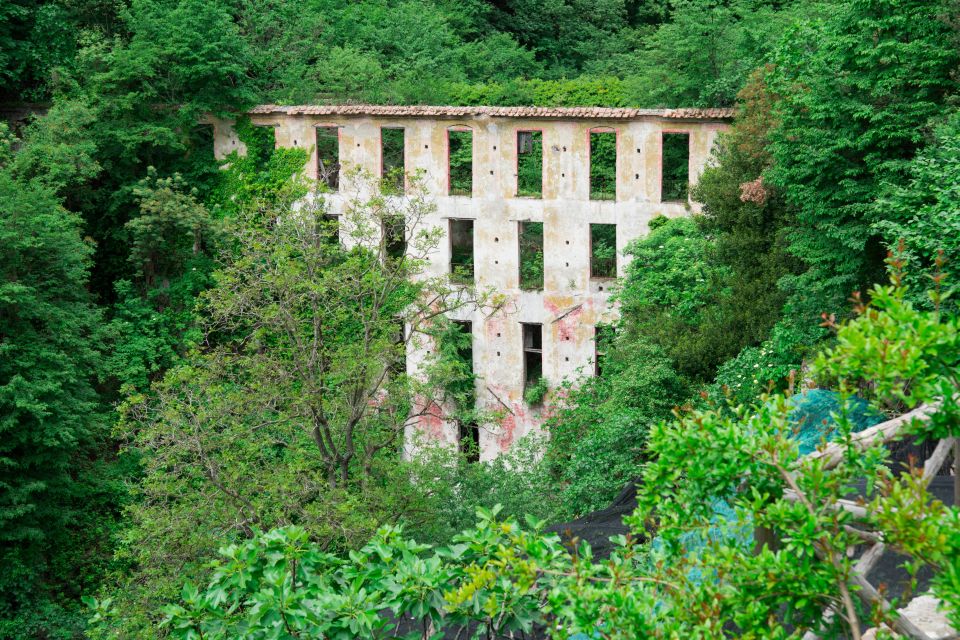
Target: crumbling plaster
571, 303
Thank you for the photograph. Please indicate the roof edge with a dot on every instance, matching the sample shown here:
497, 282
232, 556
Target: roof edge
614, 113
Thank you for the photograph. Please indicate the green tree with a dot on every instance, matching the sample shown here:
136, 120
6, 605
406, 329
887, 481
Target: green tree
856, 93
564, 34
704, 54
923, 212
58, 150
35, 38
453, 487
747, 217
170, 231
53, 419
171, 244
694, 569
294, 408
607, 418
670, 297
147, 92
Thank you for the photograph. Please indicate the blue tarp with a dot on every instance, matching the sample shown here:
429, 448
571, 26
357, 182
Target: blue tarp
811, 418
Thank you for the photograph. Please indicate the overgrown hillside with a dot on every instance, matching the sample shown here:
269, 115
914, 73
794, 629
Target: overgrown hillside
153, 399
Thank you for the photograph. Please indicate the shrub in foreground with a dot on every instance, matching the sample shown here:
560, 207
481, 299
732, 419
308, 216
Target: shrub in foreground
699, 576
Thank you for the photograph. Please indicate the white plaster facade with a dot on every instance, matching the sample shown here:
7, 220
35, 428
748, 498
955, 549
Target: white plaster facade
571, 302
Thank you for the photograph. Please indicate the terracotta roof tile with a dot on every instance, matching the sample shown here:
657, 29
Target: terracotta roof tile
512, 112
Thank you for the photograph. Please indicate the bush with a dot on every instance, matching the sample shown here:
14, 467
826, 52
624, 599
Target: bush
598, 432
757, 370
535, 393
453, 488
923, 215
671, 295
504, 579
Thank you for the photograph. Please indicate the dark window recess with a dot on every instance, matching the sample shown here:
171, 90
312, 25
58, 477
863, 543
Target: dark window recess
603, 165
465, 343
460, 156
532, 353
531, 255
469, 435
529, 164
675, 167
602, 343
461, 250
392, 159
397, 363
261, 140
470, 441
328, 157
603, 251
201, 144
330, 229
394, 237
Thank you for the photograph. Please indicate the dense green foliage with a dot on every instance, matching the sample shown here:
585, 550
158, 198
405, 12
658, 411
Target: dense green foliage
923, 211
52, 419
138, 273
611, 52
607, 418
531, 255
856, 94
811, 187
293, 406
715, 585
680, 295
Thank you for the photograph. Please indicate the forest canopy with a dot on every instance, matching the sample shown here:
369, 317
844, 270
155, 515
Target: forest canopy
155, 304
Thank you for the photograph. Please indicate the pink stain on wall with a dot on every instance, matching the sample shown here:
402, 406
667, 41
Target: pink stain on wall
552, 307
567, 326
434, 421
430, 421
492, 327
558, 398
511, 427
506, 433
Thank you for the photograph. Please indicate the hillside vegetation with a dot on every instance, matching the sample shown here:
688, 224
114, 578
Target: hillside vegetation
156, 405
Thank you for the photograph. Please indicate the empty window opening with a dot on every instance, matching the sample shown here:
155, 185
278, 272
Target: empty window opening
461, 250
531, 255
532, 353
330, 229
602, 343
392, 158
397, 358
328, 157
529, 164
261, 140
394, 238
201, 142
470, 441
460, 157
675, 167
603, 165
469, 430
603, 251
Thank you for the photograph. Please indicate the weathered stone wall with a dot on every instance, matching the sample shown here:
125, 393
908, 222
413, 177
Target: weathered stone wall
571, 302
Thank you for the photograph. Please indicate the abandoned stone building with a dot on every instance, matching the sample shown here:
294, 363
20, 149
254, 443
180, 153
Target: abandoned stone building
537, 203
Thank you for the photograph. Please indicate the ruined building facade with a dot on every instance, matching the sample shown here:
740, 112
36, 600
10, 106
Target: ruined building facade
512, 184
